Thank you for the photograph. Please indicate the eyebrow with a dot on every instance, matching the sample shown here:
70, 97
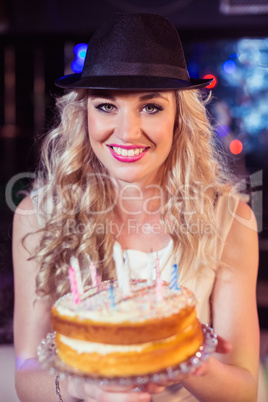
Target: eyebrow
96, 96
150, 95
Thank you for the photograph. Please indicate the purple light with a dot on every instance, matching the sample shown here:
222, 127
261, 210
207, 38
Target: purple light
80, 53
80, 50
223, 130
77, 66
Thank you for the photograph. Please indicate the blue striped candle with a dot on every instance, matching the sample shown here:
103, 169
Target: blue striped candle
111, 294
174, 278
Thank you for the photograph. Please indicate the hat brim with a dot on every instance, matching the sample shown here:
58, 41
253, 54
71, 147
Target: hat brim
125, 82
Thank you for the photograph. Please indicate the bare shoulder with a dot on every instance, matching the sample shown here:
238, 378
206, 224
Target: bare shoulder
25, 212
234, 293
241, 246
31, 315
245, 216
25, 222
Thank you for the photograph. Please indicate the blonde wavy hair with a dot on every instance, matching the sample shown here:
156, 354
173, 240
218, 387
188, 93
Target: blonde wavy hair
76, 194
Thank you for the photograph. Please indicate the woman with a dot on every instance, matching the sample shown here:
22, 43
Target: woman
132, 161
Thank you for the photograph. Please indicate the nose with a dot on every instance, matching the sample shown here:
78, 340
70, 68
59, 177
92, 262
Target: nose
128, 127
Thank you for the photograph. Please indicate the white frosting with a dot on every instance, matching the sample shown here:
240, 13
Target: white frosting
140, 306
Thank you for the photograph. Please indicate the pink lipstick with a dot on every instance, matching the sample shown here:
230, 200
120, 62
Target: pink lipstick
127, 158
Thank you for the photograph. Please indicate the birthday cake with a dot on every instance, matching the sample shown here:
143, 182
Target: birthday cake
109, 334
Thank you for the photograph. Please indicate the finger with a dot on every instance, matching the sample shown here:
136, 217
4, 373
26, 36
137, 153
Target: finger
174, 380
117, 388
123, 396
223, 346
153, 388
100, 394
201, 370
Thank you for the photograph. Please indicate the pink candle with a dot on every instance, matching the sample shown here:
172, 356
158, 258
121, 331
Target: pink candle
75, 265
158, 280
73, 285
98, 282
93, 272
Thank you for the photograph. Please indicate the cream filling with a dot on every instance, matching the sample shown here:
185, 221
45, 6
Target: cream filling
105, 349
128, 152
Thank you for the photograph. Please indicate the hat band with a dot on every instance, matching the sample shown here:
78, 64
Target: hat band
138, 69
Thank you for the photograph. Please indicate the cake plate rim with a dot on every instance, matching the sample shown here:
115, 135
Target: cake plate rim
49, 360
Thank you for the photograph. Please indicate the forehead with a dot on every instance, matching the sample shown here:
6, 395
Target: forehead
139, 95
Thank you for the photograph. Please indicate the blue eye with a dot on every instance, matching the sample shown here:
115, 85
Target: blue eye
151, 108
106, 107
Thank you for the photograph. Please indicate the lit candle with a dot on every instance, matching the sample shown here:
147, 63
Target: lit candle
174, 278
158, 280
149, 269
93, 272
73, 285
111, 294
75, 265
126, 275
122, 269
98, 281
118, 259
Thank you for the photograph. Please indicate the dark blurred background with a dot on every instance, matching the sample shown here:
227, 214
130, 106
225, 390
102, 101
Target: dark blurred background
225, 38
40, 40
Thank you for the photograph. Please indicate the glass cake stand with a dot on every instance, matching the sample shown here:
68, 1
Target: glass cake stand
49, 360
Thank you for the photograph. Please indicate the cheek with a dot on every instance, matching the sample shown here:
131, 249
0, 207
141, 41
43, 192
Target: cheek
163, 133
98, 129
92, 127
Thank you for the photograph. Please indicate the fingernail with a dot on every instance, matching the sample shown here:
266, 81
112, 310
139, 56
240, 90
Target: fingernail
144, 397
197, 372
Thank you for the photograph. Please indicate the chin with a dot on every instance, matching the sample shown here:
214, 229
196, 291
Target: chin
128, 179
130, 175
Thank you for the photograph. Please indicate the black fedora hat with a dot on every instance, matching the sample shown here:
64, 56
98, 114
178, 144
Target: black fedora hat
134, 52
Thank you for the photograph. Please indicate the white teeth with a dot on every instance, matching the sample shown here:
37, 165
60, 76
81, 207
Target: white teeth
117, 150
128, 152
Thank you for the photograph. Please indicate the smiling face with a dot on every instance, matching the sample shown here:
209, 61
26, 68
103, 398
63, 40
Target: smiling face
131, 133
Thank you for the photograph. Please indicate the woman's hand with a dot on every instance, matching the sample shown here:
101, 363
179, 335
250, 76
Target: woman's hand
93, 393
223, 346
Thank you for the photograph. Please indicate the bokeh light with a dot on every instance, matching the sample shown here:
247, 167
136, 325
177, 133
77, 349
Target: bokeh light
229, 66
213, 83
244, 71
80, 53
223, 130
236, 147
